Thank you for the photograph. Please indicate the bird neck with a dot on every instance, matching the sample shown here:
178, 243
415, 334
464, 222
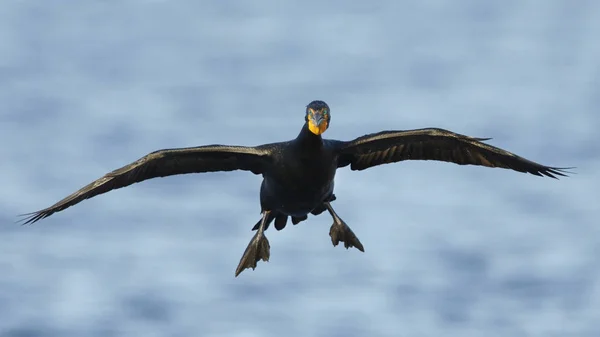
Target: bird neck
309, 139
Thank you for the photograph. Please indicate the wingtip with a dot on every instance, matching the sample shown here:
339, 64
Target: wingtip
553, 172
565, 170
30, 218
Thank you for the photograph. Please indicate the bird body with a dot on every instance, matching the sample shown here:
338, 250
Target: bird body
298, 175
301, 176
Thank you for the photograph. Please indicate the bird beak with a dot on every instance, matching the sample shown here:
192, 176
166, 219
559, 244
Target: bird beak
317, 124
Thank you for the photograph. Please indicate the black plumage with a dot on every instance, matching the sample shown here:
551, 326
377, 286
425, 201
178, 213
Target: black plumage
298, 175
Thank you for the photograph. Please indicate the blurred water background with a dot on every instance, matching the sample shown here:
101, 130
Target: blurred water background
88, 86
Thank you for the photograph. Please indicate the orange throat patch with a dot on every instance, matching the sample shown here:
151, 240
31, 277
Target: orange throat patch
317, 130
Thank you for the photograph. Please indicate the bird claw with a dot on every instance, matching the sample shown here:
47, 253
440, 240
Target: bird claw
340, 232
258, 249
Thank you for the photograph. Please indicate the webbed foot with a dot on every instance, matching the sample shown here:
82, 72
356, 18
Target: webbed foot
340, 232
258, 249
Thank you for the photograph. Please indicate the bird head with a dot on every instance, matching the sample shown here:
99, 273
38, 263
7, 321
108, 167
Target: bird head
317, 117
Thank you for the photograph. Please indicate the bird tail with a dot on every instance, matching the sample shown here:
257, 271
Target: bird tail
280, 221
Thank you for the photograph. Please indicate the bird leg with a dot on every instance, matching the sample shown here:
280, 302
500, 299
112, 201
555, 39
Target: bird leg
258, 248
341, 232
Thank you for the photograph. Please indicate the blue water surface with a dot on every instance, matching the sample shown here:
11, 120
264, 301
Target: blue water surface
88, 86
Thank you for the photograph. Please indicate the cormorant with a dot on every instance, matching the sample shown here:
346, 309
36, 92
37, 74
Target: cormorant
298, 175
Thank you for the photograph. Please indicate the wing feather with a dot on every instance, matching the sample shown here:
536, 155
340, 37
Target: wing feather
434, 144
165, 163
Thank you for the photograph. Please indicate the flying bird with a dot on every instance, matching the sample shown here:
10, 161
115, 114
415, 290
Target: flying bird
298, 175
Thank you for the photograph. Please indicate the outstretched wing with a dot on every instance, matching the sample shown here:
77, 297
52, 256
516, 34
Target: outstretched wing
164, 163
434, 144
